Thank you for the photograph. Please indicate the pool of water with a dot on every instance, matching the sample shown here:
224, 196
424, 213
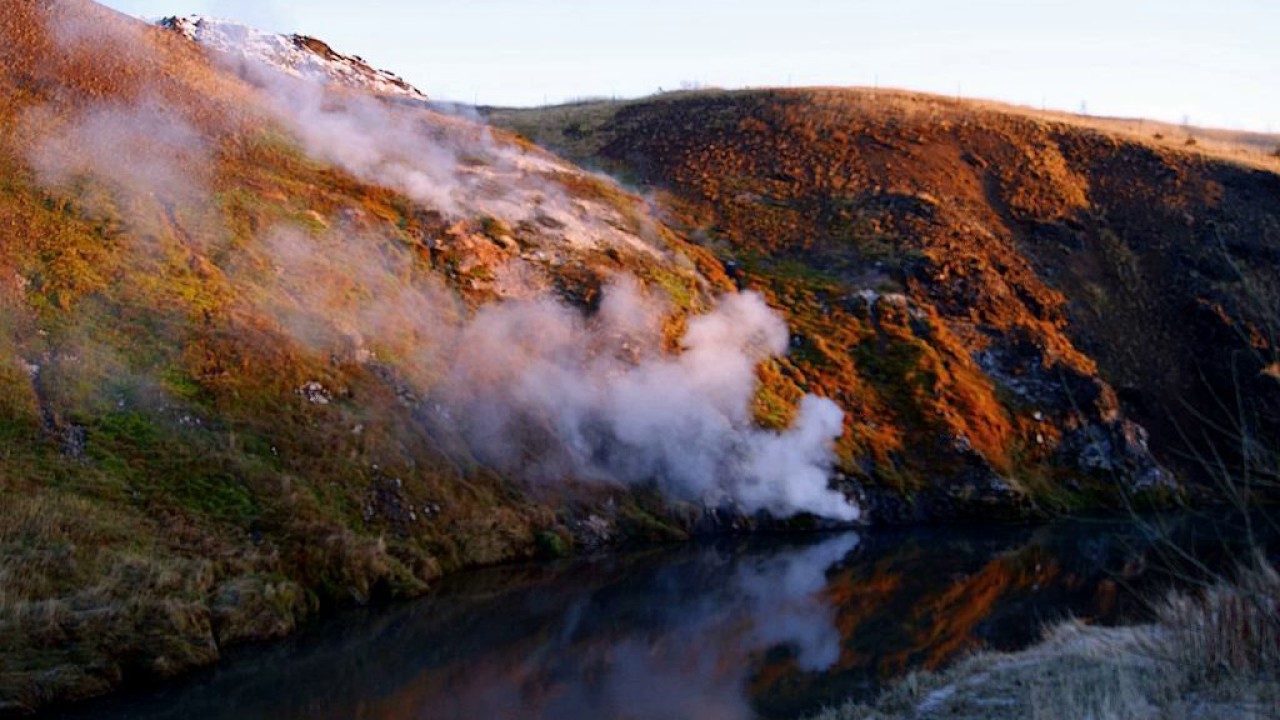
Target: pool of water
762, 628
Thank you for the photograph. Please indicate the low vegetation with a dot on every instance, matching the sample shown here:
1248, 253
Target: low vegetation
1211, 654
181, 469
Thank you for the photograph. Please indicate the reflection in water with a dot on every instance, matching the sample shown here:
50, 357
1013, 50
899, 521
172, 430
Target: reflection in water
726, 631
785, 606
679, 647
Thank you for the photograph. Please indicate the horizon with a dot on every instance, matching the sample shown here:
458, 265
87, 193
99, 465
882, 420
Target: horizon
1173, 62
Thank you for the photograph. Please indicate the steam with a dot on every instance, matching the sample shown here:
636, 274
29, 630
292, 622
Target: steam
352, 297
668, 671
451, 163
139, 150
360, 135
784, 591
605, 402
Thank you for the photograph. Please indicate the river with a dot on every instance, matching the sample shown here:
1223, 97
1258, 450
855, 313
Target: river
770, 627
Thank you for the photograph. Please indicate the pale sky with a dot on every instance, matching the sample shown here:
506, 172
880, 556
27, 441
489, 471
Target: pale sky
1214, 62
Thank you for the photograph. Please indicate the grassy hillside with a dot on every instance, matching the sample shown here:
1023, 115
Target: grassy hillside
980, 285
201, 445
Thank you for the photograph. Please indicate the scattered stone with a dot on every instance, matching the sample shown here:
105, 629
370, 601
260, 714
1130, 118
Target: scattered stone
315, 393
74, 439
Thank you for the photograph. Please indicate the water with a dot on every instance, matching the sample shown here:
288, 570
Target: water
765, 628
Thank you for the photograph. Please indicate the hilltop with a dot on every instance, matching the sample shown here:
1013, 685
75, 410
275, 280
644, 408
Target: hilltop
295, 55
275, 341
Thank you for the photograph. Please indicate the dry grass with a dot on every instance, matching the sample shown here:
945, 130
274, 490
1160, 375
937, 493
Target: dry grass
205, 503
84, 592
776, 180
1213, 654
166, 534
1062, 249
165, 488
1229, 634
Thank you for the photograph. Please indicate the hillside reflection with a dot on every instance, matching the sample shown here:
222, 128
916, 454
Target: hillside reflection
735, 630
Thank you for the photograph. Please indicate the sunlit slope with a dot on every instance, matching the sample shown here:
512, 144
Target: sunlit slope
983, 287
214, 344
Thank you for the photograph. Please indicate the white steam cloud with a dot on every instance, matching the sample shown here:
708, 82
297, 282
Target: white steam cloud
139, 150
603, 401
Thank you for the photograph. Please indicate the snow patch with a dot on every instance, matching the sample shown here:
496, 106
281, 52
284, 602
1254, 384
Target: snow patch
296, 55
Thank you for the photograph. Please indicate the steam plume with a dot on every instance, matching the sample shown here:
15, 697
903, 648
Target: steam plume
605, 402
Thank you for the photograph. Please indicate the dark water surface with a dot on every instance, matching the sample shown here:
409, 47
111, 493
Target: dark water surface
769, 628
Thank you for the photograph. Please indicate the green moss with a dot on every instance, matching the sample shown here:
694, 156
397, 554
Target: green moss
679, 288
772, 409
187, 467
182, 385
553, 543
494, 228
804, 270
640, 523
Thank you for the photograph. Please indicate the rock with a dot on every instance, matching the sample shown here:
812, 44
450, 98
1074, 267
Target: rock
594, 532
74, 439
1117, 451
315, 393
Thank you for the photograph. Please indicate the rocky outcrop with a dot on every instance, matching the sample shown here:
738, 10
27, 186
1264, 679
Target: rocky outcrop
297, 55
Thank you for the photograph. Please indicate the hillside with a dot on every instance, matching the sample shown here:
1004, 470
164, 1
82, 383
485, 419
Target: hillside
277, 342
237, 320
979, 285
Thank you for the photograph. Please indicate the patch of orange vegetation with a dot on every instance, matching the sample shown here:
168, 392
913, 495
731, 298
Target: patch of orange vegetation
85, 53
